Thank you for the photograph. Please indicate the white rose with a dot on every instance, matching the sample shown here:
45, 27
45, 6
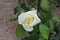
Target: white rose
28, 20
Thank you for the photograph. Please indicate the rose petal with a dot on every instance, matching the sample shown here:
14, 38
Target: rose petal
28, 28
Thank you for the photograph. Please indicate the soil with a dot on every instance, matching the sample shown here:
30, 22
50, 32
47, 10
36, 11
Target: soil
7, 28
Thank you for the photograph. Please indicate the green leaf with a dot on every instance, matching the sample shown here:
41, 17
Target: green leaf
41, 38
35, 31
56, 19
23, 6
20, 31
45, 5
51, 0
51, 24
46, 16
16, 10
32, 1
44, 30
58, 28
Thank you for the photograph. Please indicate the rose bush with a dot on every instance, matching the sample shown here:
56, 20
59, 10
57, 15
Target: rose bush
28, 20
37, 22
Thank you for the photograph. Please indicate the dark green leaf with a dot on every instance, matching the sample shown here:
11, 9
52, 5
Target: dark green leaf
20, 31
45, 5
30, 7
23, 6
51, 24
35, 31
58, 28
32, 1
41, 38
51, 0
46, 16
44, 31
16, 10
35, 37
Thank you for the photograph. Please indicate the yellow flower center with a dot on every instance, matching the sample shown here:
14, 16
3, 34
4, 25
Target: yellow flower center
28, 19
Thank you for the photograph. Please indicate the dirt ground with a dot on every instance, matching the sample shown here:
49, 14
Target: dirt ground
7, 28
57, 12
